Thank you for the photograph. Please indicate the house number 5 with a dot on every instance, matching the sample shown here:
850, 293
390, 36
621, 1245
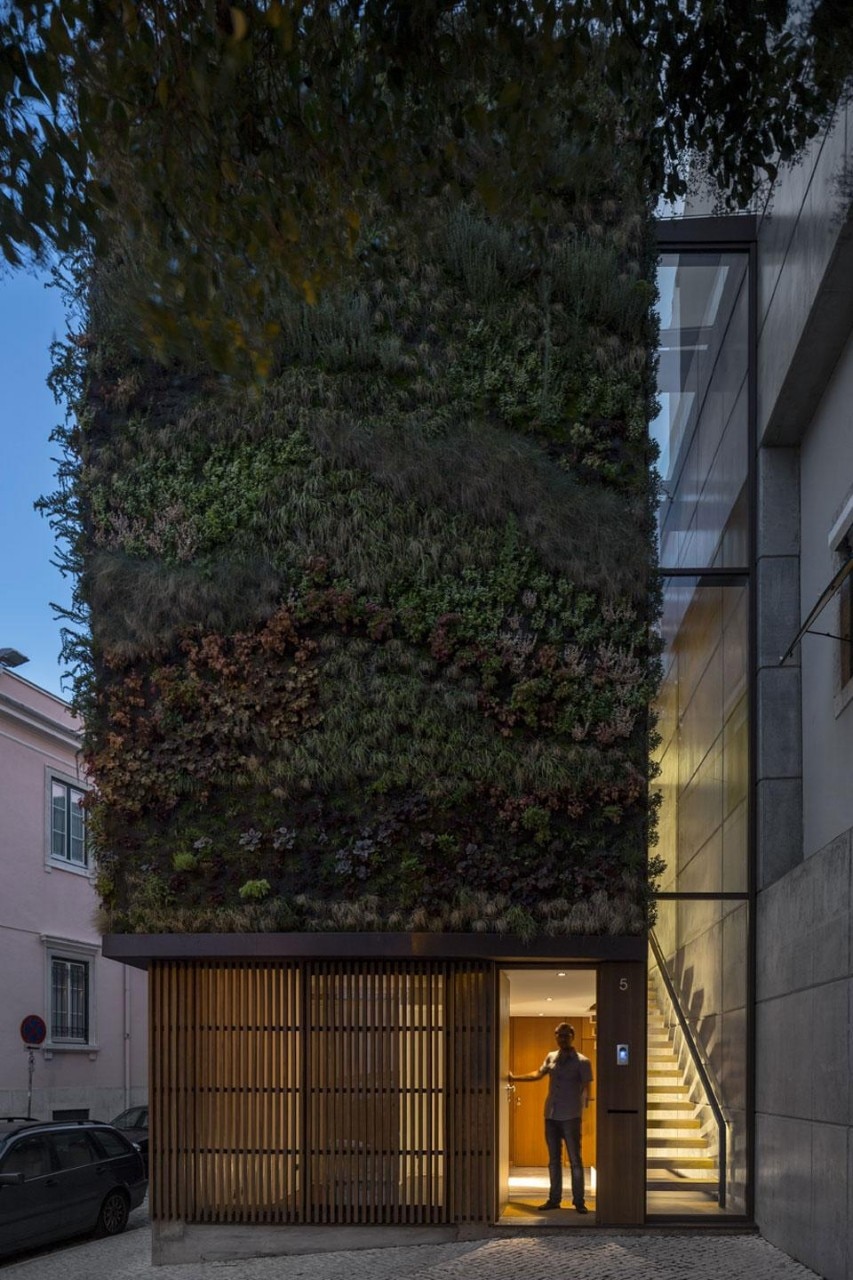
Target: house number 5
623, 984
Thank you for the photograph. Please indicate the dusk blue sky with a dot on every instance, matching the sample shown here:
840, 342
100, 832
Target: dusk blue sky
31, 316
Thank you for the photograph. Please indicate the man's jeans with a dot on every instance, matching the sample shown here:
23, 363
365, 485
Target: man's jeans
556, 1133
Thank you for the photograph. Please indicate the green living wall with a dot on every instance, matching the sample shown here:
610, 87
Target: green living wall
371, 644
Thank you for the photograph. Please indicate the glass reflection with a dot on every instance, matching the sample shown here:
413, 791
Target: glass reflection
704, 736
700, 961
701, 430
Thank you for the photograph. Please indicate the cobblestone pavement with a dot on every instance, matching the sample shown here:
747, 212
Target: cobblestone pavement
587, 1255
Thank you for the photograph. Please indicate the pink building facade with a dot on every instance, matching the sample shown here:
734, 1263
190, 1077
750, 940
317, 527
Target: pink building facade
93, 1062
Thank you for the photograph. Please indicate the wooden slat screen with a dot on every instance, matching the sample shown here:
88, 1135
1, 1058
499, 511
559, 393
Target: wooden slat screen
226, 1092
322, 1092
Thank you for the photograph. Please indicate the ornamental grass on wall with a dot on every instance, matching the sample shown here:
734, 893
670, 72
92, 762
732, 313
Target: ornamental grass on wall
371, 644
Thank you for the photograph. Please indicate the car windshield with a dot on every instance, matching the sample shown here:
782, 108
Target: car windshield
129, 1119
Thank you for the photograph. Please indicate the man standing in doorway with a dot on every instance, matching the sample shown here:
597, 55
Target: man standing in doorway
569, 1077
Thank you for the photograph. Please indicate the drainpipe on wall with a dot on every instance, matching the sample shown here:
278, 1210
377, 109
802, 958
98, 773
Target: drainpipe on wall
126, 975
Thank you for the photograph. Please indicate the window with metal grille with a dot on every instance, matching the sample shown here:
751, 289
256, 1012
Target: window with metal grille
69, 1005
67, 824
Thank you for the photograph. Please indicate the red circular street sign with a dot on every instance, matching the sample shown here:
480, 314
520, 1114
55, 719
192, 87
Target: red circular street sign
33, 1029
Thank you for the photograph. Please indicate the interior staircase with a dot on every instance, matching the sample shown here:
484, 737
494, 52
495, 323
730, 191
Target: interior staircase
680, 1156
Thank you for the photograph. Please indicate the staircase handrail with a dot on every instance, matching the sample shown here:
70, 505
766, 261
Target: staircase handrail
695, 1054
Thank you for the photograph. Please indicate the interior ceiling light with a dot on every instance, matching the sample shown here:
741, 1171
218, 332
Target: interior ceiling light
561, 974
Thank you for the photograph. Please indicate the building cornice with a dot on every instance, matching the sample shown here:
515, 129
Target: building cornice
21, 714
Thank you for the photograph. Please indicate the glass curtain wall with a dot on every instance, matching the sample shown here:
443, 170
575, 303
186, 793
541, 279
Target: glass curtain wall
698, 1147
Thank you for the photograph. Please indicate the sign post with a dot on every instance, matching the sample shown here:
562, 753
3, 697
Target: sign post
33, 1032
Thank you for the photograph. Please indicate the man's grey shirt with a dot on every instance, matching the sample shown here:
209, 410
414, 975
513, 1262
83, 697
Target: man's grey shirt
568, 1071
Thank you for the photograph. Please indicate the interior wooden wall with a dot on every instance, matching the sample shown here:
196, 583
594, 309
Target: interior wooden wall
322, 1092
530, 1040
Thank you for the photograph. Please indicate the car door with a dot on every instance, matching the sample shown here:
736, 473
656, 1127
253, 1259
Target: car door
31, 1212
83, 1178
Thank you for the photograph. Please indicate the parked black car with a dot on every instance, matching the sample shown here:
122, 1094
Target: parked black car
63, 1178
134, 1125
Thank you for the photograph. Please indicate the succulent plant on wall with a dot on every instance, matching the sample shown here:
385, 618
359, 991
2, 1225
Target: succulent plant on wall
372, 643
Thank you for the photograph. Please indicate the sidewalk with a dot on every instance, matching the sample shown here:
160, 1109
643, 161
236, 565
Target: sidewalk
587, 1255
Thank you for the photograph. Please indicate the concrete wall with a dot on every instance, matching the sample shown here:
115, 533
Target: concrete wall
826, 495
41, 900
804, 766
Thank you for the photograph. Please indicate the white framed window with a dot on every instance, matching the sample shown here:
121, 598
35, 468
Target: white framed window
66, 823
70, 994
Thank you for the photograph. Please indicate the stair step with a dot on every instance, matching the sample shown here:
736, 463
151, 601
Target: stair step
710, 1186
678, 1144
656, 1161
684, 1122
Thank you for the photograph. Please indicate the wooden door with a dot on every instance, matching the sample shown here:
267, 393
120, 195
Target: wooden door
530, 1040
505, 1093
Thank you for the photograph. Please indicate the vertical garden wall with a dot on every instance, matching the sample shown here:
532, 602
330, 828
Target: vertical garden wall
371, 639
371, 643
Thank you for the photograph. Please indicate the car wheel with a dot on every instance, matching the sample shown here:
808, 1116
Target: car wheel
114, 1214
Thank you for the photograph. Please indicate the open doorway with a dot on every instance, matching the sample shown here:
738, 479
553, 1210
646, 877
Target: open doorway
533, 1002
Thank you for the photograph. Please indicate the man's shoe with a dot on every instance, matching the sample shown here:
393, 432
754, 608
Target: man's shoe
581, 1208
549, 1204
